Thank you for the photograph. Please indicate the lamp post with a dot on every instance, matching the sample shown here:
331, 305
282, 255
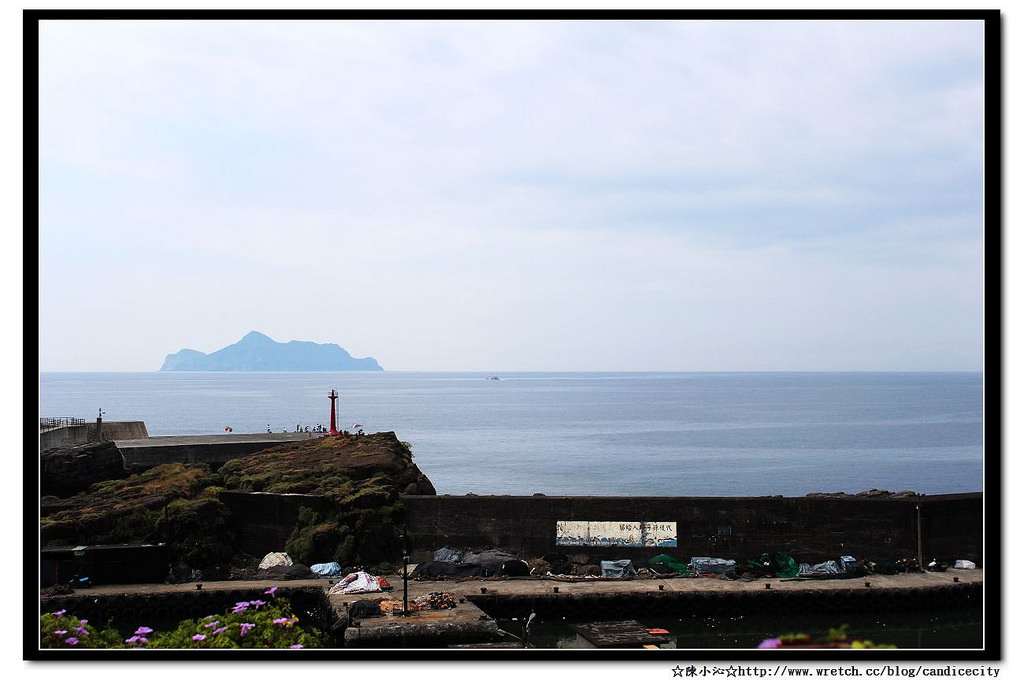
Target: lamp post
405, 576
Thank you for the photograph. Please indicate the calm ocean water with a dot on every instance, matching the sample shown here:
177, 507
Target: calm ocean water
649, 434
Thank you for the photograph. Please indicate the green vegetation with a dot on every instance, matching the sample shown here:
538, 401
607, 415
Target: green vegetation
361, 477
249, 624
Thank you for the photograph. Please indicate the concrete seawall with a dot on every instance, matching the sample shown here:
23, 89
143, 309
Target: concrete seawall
811, 529
214, 450
80, 434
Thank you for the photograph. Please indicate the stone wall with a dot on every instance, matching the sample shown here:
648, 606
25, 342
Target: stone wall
811, 529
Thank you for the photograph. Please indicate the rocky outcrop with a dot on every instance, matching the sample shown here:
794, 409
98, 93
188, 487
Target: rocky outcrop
353, 468
66, 471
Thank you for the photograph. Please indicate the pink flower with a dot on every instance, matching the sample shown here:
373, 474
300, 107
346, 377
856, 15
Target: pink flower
59, 632
246, 626
143, 630
59, 613
295, 645
211, 625
257, 604
71, 641
270, 591
199, 637
220, 630
770, 643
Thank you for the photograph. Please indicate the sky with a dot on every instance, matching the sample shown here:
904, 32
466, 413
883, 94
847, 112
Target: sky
515, 196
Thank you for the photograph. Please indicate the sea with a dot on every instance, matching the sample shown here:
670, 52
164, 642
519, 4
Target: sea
591, 433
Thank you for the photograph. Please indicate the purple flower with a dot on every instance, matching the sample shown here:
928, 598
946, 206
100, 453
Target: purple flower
81, 631
257, 604
143, 630
283, 622
59, 613
240, 607
295, 645
83, 622
220, 631
246, 626
71, 641
133, 639
270, 591
199, 637
212, 624
770, 643
59, 632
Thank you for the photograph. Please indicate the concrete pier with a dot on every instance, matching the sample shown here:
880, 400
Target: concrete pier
480, 601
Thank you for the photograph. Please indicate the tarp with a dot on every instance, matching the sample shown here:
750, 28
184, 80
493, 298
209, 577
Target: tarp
272, 559
964, 565
326, 569
780, 564
440, 570
448, 555
515, 568
670, 562
617, 568
829, 567
705, 565
492, 559
356, 583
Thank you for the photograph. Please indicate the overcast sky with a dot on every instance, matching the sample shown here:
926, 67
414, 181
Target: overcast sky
503, 196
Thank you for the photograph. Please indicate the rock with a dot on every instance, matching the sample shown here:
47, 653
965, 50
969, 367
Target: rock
66, 471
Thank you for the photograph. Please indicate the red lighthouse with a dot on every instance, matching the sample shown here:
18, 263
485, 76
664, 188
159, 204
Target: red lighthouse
334, 428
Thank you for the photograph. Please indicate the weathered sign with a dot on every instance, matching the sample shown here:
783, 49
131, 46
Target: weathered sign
614, 533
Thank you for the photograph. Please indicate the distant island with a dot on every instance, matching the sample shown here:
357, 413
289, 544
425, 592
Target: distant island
257, 352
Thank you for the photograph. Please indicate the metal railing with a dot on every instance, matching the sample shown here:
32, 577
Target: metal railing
52, 423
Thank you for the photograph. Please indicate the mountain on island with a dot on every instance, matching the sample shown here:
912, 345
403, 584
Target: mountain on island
257, 352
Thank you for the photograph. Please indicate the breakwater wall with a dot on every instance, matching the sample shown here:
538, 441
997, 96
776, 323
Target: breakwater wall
65, 436
811, 529
213, 450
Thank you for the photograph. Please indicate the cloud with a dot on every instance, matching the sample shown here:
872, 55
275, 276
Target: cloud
550, 195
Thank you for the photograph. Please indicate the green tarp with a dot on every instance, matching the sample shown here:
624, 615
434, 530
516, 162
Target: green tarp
671, 562
781, 564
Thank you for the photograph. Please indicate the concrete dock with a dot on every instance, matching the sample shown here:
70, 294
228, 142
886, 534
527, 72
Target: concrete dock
479, 602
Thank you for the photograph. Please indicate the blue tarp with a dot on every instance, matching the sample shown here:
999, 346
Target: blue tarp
326, 570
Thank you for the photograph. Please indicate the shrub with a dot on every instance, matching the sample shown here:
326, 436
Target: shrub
61, 630
249, 624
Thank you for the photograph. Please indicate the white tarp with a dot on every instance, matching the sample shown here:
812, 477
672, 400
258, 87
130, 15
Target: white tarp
272, 559
964, 565
356, 583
